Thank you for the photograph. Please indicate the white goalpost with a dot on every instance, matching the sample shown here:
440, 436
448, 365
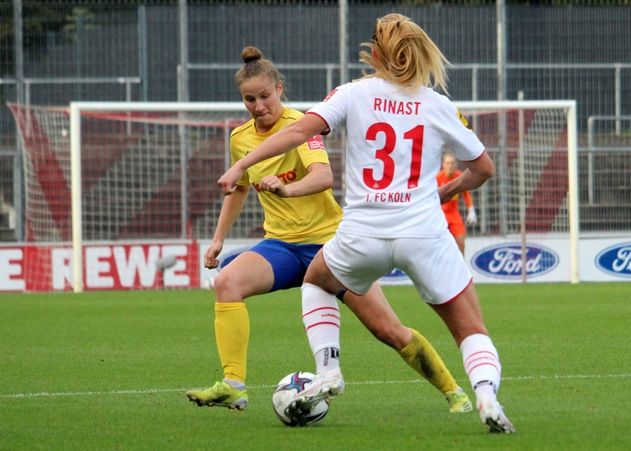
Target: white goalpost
121, 172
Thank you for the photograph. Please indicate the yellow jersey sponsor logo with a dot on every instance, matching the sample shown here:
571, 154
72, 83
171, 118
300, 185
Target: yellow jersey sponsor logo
464, 120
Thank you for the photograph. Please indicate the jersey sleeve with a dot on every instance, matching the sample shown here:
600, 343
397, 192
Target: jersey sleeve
459, 137
333, 108
235, 156
313, 151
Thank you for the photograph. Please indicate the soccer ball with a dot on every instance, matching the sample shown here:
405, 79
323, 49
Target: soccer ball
284, 394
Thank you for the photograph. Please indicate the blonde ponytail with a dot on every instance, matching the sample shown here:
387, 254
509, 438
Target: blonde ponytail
402, 53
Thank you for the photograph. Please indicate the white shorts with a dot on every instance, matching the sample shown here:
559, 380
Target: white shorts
435, 265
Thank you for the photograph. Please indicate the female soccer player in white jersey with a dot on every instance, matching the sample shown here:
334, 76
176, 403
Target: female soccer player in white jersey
397, 128
300, 215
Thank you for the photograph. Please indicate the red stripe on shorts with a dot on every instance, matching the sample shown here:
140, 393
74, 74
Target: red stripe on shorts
456, 296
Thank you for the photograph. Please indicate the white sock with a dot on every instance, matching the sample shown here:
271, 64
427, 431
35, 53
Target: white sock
327, 359
482, 364
321, 317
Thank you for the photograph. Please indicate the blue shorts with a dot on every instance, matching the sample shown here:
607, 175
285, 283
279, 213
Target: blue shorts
289, 261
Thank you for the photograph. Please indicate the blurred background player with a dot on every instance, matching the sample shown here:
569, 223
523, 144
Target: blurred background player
397, 127
300, 215
456, 226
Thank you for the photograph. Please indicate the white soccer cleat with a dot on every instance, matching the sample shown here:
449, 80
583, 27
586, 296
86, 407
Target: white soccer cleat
492, 414
325, 386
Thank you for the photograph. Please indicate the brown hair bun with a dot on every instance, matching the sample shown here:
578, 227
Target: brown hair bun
251, 54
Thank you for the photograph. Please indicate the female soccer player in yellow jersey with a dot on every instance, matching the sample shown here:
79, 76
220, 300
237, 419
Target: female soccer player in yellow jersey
397, 128
301, 214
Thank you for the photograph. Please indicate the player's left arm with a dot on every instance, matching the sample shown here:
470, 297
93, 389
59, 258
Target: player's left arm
318, 179
279, 143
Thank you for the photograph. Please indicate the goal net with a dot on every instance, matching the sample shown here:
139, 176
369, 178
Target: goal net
105, 172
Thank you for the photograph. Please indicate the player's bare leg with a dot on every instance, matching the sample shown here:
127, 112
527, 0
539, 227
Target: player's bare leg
375, 312
463, 317
460, 242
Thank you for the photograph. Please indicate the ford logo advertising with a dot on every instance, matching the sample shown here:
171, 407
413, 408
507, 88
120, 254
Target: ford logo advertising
615, 260
395, 277
503, 261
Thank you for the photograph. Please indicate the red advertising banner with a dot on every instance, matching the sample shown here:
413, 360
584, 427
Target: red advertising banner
106, 266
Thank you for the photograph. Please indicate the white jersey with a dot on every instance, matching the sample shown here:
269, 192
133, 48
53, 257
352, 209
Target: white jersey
395, 140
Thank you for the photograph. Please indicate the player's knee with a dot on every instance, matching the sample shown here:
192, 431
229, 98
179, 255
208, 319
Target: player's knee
226, 286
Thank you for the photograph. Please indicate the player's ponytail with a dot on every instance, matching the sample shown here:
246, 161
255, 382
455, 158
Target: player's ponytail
402, 53
255, 64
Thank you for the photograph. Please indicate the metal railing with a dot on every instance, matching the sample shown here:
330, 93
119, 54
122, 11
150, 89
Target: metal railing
29, 82
615, 67
329, 68
333, 69
592, 147
127, 81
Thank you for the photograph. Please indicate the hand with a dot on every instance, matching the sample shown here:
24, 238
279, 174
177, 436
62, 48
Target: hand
472, 218
228, 181
211, 254
274, 185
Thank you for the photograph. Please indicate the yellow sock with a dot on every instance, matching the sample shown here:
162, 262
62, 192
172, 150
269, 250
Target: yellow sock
232, 333
421, 355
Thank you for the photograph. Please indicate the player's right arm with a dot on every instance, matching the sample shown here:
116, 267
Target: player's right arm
318, 179
230, 210
281, 142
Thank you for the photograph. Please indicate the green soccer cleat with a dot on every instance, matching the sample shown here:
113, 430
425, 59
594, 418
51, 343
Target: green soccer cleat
458, 401
221, 394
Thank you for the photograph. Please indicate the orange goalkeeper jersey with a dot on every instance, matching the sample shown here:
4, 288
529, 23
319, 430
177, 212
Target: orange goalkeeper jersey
450, 208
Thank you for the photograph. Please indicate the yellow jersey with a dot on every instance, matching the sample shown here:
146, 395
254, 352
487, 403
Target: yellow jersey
309, 219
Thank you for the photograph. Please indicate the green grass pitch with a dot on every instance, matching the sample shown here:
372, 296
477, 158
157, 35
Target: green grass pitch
109, 370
